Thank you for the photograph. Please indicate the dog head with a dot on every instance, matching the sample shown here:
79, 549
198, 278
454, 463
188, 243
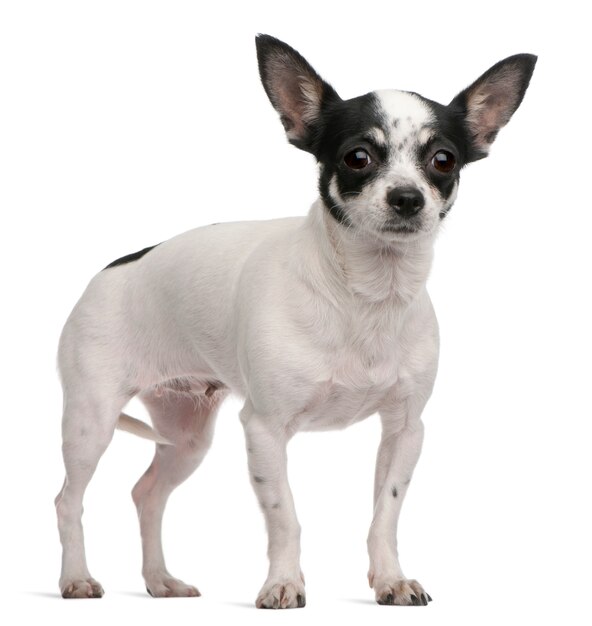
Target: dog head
389, 160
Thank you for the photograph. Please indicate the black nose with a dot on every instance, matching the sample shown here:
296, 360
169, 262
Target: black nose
407, 201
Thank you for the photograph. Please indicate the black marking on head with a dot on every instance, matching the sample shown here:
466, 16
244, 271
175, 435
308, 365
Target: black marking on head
395, 492
332, 205
347, 125
130, 257
258, 479
448, 133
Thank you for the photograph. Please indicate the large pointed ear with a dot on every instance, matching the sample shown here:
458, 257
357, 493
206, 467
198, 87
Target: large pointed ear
296, 91
489, 103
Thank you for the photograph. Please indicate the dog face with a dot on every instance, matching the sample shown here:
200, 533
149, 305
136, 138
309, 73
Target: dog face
389, 160
390, 163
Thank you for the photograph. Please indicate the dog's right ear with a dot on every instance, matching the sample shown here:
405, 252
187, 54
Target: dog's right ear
296, 91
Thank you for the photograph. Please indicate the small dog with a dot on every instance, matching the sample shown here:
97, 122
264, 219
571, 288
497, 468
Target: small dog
317, 322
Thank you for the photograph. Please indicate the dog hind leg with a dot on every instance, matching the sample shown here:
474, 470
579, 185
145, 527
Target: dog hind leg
88, 425
187, 420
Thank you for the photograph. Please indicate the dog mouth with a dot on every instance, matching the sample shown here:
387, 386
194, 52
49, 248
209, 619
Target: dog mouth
401, 227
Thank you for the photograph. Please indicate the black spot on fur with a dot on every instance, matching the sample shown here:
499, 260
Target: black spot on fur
130, 257
276, 505
395, 492
258, 479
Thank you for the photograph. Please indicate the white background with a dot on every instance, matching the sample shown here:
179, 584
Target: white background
124, 123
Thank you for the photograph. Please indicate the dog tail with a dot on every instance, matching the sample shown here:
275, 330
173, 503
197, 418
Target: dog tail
136, 427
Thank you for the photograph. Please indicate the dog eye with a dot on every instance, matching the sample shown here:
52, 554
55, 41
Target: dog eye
444, 161
357, 159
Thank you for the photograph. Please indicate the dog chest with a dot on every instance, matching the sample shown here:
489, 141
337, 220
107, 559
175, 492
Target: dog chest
352, 389
336, 406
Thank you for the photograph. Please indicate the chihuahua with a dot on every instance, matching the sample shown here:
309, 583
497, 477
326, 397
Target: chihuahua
317, 322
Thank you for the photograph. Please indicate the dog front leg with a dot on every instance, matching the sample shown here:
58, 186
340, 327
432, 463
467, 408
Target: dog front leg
266, 448
398, 453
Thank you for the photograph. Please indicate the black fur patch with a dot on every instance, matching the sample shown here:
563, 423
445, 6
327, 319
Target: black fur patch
346, 125
130, 257
450, 127
451, 135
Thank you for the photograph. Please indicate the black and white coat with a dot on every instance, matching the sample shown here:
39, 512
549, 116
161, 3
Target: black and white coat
317, 322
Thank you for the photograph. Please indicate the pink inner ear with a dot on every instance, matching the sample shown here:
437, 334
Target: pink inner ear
291, 105
490, 106
297, 96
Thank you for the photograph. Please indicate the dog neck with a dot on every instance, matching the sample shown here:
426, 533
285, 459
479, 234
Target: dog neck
371, 270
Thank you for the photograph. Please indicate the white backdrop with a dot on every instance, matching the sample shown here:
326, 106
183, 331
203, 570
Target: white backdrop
123, 123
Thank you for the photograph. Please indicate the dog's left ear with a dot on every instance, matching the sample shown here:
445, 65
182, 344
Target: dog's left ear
489, 103
295, 90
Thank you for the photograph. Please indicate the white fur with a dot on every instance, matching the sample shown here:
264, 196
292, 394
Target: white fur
409, 110
378, 135
314, 325
315, 322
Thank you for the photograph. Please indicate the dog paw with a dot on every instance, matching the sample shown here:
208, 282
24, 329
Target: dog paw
87, 588
401, 592
169, 587
282, 595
